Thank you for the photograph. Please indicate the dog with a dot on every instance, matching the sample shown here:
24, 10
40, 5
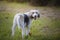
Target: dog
24, 21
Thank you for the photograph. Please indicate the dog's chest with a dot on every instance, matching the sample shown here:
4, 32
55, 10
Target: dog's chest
26, 19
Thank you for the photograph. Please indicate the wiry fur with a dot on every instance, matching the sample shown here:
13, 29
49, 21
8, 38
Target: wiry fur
24, 21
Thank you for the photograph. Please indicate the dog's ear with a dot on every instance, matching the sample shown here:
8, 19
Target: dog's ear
31, 17
38, 15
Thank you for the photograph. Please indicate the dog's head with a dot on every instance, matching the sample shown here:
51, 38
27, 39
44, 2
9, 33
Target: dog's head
35, 14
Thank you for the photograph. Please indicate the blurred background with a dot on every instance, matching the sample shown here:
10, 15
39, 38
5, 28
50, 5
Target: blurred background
47, 27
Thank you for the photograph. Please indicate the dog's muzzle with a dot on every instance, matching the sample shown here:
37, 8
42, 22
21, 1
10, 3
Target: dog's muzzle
37, 17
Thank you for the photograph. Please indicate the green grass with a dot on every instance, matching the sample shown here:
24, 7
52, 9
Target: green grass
41, 29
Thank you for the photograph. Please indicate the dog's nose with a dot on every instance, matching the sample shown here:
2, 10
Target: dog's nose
35, 18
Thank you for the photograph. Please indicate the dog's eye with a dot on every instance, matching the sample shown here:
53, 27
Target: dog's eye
32, 12
36, 12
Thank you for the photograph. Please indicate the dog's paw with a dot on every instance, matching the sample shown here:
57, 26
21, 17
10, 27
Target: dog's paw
30, 33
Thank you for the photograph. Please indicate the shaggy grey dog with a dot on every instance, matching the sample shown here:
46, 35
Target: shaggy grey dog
24, 21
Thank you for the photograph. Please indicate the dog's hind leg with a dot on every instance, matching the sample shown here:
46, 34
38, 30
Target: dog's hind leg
13, 27
18, 22
23, 32
21, 25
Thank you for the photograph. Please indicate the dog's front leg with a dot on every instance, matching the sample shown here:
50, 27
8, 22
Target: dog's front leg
28, 29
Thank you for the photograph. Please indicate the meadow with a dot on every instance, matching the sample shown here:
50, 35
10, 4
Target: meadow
44, 28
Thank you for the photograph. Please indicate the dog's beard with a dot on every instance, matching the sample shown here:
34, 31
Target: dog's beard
34, 18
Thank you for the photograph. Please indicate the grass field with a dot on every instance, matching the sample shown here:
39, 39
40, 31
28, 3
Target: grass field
41, 29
